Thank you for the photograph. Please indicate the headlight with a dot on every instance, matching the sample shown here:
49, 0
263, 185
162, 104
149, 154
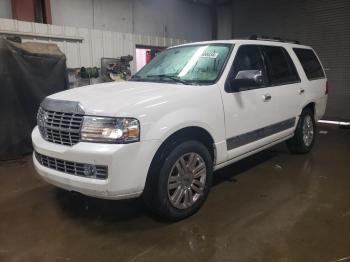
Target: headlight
110, 130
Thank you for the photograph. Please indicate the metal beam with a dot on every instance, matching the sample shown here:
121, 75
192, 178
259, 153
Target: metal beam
46, 36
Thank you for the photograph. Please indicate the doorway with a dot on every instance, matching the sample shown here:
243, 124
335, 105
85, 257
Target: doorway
144, 54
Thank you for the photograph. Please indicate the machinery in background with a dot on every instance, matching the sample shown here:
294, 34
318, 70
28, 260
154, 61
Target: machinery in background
83, 76
116, 69
112, 69
89, 72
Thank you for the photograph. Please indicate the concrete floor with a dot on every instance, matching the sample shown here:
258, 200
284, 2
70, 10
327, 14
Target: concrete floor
270, 207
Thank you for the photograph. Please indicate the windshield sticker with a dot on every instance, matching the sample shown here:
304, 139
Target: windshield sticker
210, 54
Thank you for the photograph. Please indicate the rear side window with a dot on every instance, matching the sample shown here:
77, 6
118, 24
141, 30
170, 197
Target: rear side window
280, 67
310, 63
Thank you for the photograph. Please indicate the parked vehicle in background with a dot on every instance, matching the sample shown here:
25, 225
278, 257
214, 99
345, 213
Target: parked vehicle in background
192, 110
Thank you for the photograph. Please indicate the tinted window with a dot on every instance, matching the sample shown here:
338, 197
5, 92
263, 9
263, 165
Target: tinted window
280, 67
294, 77
310, 63
248, 57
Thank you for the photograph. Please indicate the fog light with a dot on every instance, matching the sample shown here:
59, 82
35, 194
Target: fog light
90, 171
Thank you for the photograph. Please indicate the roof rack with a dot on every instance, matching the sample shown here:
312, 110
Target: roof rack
275, 39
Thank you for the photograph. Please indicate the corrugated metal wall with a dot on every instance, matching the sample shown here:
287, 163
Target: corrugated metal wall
323, 24
82, 46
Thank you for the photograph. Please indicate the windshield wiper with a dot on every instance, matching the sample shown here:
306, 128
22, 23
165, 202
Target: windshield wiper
135, 77
172, 77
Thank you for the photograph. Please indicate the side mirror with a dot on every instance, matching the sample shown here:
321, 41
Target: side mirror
246, 79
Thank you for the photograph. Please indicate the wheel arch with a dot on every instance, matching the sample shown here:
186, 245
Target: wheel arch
186, 133
311, 106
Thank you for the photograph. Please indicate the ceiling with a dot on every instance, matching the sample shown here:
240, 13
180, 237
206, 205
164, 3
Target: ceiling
209, 2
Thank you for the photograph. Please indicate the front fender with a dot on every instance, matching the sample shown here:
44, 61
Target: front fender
169, 123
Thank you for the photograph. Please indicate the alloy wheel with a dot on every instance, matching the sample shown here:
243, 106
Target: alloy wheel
186, 182
308, 130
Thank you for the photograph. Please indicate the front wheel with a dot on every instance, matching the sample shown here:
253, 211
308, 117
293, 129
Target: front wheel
304, 137
181, 183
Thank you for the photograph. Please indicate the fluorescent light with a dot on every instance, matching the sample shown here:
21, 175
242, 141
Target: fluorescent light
334, 122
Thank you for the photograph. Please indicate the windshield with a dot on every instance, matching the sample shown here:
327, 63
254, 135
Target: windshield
193, 64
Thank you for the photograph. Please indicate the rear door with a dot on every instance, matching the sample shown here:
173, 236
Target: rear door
284, 82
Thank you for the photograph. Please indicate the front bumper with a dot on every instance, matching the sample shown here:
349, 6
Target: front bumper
128, 166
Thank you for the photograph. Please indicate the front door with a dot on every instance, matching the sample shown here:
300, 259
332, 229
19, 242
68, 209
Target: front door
250, 111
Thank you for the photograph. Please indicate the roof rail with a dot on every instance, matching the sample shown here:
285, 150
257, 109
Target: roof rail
275, 39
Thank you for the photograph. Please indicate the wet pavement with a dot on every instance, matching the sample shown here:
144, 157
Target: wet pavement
273, 206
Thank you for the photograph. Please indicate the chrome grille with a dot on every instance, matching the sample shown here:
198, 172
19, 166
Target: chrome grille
59, 127
73, 168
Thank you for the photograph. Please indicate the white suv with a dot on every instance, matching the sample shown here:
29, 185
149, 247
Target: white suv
193, 110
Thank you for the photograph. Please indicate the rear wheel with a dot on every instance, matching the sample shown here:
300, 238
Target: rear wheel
304, 137
180, 184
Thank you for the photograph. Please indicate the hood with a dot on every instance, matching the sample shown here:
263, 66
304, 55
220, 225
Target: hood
124, 98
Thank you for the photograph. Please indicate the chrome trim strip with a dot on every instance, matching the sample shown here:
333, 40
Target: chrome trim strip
63, 106
258, 134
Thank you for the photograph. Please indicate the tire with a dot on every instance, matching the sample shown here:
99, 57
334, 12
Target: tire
305, 132
170, 178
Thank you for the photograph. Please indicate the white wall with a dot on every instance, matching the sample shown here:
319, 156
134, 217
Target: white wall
113, 15
83, 46
169, 18
165, 18
5, 9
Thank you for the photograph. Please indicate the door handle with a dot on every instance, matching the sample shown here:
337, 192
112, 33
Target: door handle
301, 91
267, 97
